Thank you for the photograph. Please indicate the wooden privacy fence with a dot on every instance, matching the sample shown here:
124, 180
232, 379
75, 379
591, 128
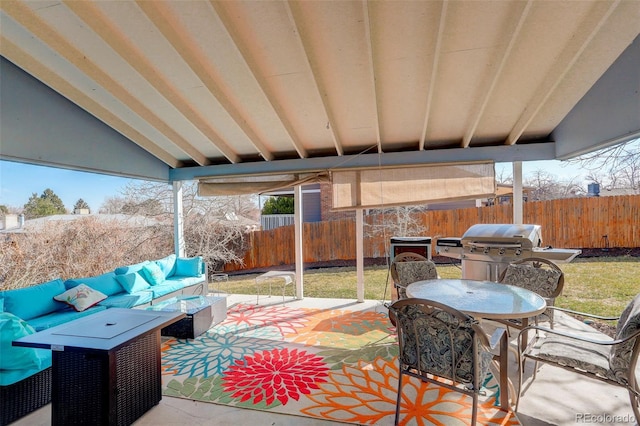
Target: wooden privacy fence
594, 222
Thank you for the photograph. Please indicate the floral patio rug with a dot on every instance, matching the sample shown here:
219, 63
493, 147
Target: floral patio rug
335, 365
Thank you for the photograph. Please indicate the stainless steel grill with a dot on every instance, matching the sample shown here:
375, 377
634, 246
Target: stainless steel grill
487, 249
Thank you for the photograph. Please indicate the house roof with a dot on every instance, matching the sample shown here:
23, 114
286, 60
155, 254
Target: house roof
123, 220
173, 90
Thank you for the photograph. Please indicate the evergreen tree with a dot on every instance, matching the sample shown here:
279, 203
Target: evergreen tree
47, 204
278, 205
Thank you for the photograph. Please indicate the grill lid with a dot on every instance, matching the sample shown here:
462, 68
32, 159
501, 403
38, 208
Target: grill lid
410, 240
506, 235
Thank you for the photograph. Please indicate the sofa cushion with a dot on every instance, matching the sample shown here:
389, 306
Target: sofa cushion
21, 301
81, 297
167, 264
186, 281
16, 357
126, 300
188, 267
105, 283
153, 273
122, 270
62, 316
132, 283
166, 287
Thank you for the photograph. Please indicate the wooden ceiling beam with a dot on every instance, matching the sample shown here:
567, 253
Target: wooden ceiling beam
504, 55
136, 58
312, 57
49, 36
15, 54
437, 54
259, 77
572, 52
160, 15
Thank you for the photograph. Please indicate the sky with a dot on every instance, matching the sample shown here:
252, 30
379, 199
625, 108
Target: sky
19, 181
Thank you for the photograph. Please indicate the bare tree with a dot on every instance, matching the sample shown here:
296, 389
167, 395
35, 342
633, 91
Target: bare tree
617, 166
215, 227
112, 205
74, 249
546, 186
503, 177
402, 221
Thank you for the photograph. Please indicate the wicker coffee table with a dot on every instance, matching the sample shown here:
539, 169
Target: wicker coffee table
106, 367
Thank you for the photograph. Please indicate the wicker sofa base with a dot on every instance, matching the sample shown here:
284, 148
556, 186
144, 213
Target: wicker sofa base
19, 399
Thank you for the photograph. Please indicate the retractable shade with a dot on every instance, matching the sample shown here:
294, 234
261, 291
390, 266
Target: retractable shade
411, 185
371, 188
210, 187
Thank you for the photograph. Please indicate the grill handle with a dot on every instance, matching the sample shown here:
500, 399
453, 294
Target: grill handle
495, 245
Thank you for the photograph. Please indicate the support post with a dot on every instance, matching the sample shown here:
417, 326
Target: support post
298, 231
360, 254
517, 193
178, 220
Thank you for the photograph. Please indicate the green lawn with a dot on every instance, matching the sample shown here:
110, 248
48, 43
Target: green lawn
602, 286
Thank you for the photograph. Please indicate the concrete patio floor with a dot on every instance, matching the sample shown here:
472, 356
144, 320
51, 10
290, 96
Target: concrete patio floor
556, 397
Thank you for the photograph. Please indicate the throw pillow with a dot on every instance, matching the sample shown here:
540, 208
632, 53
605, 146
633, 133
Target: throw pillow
133, 282
188, 267
81, 297
130, 269
16, 357
167, 264
153, 273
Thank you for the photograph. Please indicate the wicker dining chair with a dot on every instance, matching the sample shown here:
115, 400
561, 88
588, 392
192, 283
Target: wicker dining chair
538, 275
437, 341
611, 361
407, 268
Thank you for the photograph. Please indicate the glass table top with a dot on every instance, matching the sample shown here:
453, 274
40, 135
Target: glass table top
485, 299
187, 304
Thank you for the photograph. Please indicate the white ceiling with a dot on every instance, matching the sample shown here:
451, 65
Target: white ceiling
238, 83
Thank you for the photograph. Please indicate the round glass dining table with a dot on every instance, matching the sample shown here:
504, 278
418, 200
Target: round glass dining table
482, 299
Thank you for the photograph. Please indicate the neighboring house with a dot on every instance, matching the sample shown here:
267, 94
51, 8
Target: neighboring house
39, 223
249, 224
594, 190
311, 207
11, 221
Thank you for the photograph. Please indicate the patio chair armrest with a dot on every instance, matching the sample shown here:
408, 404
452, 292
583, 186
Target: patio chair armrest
584, 314
578, 337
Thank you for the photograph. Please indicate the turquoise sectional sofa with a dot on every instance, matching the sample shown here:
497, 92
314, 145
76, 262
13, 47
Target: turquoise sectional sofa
31, 309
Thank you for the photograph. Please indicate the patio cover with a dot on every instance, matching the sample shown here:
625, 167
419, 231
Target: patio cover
175, 90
